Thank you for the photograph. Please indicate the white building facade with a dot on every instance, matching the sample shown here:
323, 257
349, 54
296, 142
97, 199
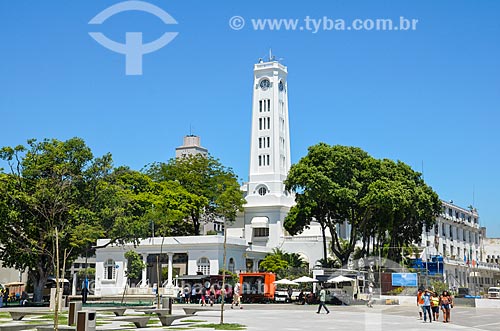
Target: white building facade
256, 232
458, 238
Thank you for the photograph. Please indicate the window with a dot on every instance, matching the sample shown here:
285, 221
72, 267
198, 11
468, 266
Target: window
260, 123
260, 142
268, 142
261, 232
204, 266
268, 104
262, 191
260, 106
230, 265
260, 160
267, 159
110, 269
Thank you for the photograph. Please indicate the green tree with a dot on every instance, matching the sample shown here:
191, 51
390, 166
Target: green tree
135, 266
284, 264
380, 199
276, 264
59, 187
215, 186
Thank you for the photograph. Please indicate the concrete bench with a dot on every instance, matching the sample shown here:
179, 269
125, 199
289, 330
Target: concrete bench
118, 311
167, 320
139, 321
159, 312
19, 314
19, 327
192, 311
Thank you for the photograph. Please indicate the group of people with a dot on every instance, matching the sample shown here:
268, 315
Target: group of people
208, 295
429, 303
6, 297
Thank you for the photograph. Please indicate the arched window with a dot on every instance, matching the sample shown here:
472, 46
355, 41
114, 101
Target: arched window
109, 269
204, 266
230, 265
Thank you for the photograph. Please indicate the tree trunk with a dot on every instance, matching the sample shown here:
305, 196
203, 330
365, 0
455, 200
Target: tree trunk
325, 254
39, 279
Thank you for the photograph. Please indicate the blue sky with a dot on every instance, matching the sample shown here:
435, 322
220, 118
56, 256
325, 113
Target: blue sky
429, 97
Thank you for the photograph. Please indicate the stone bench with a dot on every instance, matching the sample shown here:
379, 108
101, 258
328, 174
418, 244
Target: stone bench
159, 312
192, 311
19, 314
167, 320
118, 311
139, 321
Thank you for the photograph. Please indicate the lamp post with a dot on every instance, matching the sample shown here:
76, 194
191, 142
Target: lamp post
223, 290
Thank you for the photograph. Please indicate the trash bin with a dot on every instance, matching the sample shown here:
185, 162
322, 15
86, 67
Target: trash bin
74, 308
166, 303
86, 320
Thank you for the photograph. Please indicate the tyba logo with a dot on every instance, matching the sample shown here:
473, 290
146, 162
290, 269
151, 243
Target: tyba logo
133, 48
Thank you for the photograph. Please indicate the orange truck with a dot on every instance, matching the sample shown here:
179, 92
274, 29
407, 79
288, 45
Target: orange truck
257, 286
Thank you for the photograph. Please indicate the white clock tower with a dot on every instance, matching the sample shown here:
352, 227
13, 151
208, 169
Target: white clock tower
267, 201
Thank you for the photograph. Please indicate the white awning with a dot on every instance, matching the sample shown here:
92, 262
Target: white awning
260, 222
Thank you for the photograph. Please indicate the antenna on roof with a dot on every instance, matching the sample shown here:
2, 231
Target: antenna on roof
271, 56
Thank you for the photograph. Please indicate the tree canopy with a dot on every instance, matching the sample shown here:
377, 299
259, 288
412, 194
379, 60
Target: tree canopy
59, 185
383, 202
284, 264
215, 187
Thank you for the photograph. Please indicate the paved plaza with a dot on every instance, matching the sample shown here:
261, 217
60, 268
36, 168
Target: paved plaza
293, 317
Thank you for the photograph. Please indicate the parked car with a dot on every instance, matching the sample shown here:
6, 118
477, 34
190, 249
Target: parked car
494, 293
65, 286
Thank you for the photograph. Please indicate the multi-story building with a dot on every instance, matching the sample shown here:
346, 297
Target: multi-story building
458, 238
491, 250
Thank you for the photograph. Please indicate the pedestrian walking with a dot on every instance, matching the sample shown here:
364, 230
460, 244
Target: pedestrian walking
322, 300
427, 305
6, 295
203, 296
420, 302
236, 296
446, 303
435, 306
370, 295
194, 294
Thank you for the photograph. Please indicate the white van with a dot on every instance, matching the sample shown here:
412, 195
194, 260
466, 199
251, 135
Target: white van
494, 293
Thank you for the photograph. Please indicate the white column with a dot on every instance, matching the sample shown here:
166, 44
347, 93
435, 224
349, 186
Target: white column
144, 271
170, 272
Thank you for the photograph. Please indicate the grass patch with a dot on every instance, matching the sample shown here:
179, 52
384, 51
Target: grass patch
153, 322
225, 326
177, 328
4, 315
193, 321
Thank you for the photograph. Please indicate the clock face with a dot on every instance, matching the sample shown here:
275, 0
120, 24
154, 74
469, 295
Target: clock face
265, 84
281, 85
